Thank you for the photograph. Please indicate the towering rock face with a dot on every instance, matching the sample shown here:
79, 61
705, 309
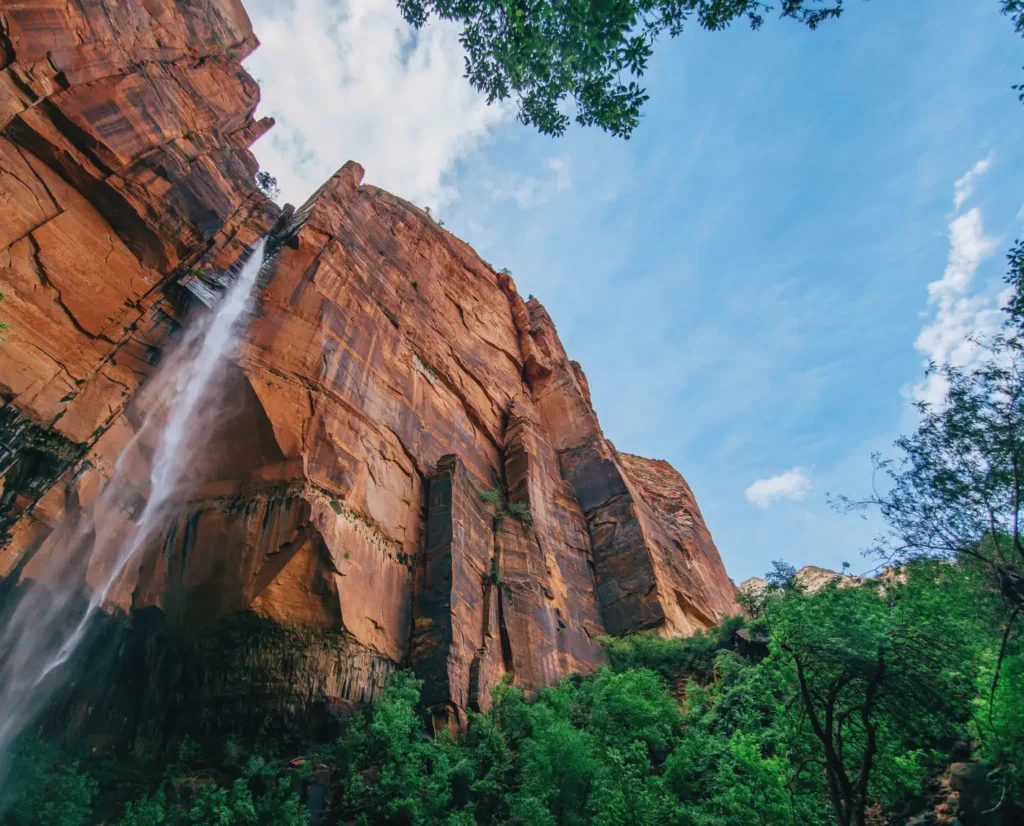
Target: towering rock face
411, 473
123, 135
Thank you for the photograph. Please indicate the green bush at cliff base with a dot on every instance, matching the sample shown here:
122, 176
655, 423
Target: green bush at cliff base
46, 787
49, 788
688, 732
691, 657
618, 744
730, 743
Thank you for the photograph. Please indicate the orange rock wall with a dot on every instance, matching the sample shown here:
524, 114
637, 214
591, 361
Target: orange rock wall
123, 135
389, 379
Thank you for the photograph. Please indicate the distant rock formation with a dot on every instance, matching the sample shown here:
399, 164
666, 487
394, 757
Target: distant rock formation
412, 474
814, 579
811, 578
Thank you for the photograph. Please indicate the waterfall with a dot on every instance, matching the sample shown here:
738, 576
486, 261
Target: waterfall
181, 401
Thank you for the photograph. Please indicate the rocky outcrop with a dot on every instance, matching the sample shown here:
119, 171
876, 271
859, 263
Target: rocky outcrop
811, 578
411, 472
965, 794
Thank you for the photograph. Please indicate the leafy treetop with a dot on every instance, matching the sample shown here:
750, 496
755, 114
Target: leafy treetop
592, 53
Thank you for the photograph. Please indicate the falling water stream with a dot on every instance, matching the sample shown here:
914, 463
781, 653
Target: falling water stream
52, 619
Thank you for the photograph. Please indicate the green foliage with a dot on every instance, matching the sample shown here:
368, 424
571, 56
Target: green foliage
957, 490
394, 774
618, 747
50, 787
782, 575
249, 788
883, 678
498, 498
494, 496
520, 511
1014, 9
691, 656
47, 787
1003, 724
691, 732
146, 811
956, 494
3, 326
546, 52
267, 184
584, 60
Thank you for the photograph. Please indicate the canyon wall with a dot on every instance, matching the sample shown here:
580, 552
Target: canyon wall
410, 474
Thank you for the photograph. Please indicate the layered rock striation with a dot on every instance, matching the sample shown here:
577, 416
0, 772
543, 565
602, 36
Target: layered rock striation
411, 472
124, 130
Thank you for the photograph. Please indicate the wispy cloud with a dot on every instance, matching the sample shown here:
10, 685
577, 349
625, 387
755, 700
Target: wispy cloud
530, 192
969, 246
959, 314
793, 484
964, 187
353, 80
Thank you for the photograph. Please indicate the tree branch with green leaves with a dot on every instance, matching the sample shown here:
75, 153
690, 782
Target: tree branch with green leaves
582, 60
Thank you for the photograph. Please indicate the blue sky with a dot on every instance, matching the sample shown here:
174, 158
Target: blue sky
746, 281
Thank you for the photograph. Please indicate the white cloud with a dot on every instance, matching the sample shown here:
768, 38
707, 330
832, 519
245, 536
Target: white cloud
959, 314
968, 248
351, 80
529, 192
964, 187
1020, 214
793, 484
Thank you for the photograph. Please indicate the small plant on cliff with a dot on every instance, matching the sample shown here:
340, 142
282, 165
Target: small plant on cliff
267, 184
3, 326
517, 510
520, 511
494, 496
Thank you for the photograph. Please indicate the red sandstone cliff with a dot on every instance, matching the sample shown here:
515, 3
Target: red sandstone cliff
390, 378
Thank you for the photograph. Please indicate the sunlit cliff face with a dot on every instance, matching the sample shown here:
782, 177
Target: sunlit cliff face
403, 467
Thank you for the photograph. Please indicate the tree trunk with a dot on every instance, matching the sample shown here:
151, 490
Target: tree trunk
1011, 584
